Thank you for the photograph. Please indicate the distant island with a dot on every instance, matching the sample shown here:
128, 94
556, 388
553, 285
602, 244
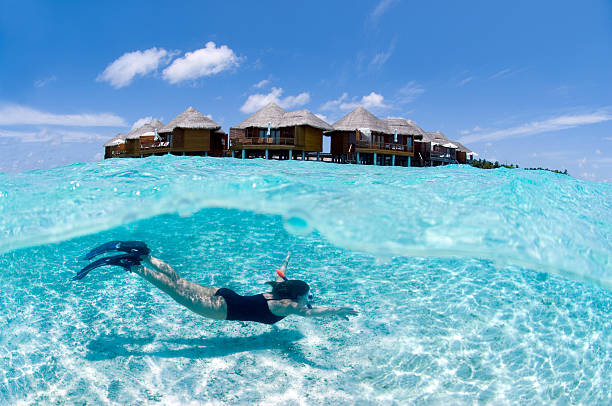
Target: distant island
484, 164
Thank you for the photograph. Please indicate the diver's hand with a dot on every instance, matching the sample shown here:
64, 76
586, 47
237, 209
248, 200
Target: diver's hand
345, 312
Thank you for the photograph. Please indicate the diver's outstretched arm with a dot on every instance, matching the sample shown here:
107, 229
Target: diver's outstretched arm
299, 310
343, 312
280, 273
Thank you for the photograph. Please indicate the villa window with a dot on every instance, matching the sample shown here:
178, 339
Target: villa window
274, 134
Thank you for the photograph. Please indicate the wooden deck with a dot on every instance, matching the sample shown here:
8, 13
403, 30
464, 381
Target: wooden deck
383, 151
262, 147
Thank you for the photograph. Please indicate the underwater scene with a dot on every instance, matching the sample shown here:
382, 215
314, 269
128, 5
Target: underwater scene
488, 286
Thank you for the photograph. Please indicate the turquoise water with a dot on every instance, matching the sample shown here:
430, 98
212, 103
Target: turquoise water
472, 285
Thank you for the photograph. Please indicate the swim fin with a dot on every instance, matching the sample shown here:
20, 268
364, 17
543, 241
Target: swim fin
125, 261
131, 247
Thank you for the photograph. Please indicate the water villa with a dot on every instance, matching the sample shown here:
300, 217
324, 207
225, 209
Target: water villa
192, 133
362, 138
464, 154
115, 147
140, 141
436, 149
274, 133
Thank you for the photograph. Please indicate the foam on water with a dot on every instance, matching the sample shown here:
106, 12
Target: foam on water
454, 272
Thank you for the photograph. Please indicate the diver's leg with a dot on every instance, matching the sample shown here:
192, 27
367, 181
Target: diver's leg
197, 298
160, 266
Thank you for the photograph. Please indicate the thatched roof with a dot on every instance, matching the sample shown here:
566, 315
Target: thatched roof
278, 118
462, 147
441, 139
303, 117
147, 128
404, 127
436, 137
190, 118
119, 139
361, 118
271, 113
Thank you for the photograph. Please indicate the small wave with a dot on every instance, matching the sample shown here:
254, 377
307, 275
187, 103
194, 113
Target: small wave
540, 220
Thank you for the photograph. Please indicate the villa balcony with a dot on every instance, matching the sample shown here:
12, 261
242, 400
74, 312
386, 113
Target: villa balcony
263, 141
384, 146
156, 144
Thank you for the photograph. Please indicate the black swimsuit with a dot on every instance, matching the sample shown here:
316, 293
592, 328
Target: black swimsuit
247, 308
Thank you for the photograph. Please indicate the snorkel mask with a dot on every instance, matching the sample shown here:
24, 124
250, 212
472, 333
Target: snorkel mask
309, 295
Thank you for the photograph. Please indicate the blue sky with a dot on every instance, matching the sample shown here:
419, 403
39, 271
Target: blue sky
517, 81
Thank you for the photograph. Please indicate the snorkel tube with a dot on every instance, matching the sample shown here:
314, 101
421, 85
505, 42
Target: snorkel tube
281, 272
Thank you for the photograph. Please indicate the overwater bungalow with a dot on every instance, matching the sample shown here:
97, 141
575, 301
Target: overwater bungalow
274, 133
192, 133
362, 138
435, 149
143, 140
464, 154
115, 146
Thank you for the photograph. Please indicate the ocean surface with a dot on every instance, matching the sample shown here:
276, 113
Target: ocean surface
472, 285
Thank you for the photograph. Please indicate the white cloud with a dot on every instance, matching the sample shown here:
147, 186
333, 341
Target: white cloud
500, 74
382, 8
53, 135
201, 62
373, 100
409, 92
538, 127
256, 101
465, 81
261, 83
77, 136
588, 175
20, 115
25, 136
504, 73
333, 104
381, 58
464, 132
122, 71
142, 121
44, 82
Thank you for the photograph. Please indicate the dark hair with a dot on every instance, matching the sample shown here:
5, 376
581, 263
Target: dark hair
290, 289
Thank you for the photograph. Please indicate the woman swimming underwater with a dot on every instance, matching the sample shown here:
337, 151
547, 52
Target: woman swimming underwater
287, 297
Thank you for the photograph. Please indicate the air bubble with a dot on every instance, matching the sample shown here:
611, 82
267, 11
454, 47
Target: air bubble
297, 222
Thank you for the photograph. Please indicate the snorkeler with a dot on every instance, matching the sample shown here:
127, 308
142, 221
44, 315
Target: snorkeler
287, 297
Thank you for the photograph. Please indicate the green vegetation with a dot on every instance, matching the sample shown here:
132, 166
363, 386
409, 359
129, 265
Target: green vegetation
484, 164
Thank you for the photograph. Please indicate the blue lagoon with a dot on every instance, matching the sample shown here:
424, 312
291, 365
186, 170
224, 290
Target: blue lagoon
471, 285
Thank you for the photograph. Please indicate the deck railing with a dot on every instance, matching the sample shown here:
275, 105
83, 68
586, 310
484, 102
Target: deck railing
388, 146
157, 144
442, 155
263, 141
